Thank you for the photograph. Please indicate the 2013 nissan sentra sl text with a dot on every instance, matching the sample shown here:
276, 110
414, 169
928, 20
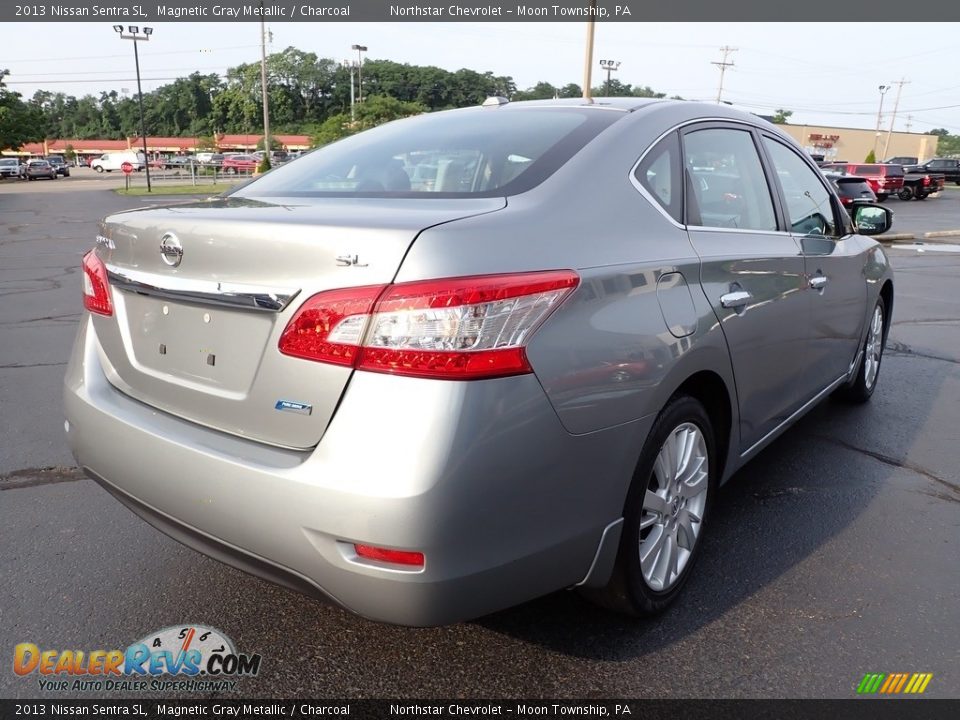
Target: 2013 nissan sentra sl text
469, 358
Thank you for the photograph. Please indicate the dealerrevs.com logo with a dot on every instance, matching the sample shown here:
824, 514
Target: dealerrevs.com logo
190, 658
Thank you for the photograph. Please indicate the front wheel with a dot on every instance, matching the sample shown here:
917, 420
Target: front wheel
864, 383
666, 511
98, 168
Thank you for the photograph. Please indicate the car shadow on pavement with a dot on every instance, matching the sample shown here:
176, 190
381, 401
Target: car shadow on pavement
775, 513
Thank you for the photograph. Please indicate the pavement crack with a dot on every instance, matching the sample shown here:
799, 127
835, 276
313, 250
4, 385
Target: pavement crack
893, 462
33, 477
895, 347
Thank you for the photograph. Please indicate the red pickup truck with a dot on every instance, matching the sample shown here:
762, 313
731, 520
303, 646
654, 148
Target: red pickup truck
884, 180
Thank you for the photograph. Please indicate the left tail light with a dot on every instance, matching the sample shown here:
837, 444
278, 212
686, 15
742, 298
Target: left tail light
96, 285
457, 328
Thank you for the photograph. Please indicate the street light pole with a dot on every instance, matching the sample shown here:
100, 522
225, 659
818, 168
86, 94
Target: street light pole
360, 49
876, 137
349, 65
134, 34
610, 66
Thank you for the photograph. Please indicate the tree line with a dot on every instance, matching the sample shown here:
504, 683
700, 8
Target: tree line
308, 95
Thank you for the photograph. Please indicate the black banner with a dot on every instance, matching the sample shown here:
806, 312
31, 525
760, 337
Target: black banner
141, 11
855, 709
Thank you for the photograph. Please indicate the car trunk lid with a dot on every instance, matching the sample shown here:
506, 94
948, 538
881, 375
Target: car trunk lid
203, 291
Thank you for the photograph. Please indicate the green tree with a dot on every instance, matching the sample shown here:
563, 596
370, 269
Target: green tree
20, 123
871, 157
274, 144
781, 116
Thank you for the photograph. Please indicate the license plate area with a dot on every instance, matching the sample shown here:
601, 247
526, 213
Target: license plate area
192, 344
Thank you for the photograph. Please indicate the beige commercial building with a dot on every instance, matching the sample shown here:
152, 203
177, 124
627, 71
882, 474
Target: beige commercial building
854, 144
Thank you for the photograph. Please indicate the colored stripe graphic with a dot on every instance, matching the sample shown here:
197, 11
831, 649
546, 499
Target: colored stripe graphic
894, 683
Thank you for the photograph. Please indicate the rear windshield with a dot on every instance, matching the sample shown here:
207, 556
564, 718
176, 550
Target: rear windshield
474, 153
851, 187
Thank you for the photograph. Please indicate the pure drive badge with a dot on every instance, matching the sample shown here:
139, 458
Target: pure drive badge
295, 407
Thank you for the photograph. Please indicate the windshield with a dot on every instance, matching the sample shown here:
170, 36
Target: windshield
8, 162
475, 153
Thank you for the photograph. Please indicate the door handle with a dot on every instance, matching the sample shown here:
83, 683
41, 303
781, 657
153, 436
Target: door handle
735, 299
818, 282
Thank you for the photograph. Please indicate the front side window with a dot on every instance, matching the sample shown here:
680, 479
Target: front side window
809, 207
728, 186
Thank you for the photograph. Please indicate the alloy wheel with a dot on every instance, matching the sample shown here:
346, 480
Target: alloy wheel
874, 348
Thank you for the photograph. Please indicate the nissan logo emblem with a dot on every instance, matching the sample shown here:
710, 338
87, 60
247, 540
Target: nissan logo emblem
170, 250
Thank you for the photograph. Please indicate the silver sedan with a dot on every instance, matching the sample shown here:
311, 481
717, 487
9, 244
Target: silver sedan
469, 358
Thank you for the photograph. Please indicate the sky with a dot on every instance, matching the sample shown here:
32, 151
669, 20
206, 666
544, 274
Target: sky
826, 73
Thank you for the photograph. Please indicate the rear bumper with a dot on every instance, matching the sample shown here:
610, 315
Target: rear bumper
480, 477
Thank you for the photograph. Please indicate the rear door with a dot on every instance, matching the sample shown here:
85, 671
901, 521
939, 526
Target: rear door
752, 271
833, 258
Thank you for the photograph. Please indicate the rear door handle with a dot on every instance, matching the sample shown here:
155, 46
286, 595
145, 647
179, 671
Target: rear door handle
818, 282
736, 299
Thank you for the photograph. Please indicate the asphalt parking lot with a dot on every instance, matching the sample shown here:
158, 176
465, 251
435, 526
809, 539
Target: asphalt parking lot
833, 554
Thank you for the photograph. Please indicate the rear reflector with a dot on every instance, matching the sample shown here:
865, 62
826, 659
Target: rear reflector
457, 328
397, 557
96, 285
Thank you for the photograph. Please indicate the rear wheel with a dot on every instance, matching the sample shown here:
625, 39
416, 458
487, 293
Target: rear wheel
905, 194
864, 383
666, 511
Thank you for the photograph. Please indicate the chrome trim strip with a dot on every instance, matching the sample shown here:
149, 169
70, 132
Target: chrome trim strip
205, 292
757, 446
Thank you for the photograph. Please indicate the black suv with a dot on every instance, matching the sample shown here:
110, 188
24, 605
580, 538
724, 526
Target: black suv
59, 164
852, 190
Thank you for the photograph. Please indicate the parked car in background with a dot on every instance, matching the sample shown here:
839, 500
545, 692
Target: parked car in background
210, 158
901, 160
59, 164
948, 167
885, 180
115, 160
428, 405
37, 169
920, 185
10, 167
239, 164
852, 190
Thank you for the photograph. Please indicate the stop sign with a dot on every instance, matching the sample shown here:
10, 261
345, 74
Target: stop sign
127, 168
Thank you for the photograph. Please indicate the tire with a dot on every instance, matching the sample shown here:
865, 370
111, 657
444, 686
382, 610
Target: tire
231, 171
98, 168
923, 196
905, 194
861, 388
638, 588
882, 198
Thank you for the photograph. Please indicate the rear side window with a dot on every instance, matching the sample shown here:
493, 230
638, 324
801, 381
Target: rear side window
893, 170
659, 175
850, 188
728, 186
808, 200
471, 153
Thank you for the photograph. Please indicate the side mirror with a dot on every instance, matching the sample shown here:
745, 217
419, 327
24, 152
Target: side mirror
872, 219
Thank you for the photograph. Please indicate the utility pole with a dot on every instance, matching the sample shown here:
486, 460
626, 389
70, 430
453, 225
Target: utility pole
876, 137
723, 65
588, 54
610, 66
263, 86
893, 118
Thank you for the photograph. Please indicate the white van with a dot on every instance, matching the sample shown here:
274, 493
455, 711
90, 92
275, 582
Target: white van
113, 161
